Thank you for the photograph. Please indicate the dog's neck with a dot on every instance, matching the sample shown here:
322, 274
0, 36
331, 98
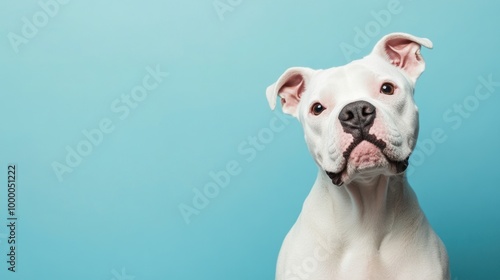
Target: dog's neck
367, 208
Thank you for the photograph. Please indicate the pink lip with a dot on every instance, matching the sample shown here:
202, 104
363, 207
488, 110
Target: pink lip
365, 150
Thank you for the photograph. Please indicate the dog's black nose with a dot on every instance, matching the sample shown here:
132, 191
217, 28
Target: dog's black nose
357, 117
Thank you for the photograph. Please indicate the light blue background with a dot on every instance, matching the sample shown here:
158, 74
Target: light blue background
119, 208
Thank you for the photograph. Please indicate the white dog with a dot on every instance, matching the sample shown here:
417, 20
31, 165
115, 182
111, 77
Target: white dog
361, 219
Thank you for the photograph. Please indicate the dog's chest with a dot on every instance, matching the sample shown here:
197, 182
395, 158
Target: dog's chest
359, 263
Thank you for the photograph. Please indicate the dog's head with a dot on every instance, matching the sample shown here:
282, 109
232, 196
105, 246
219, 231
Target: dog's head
359, 119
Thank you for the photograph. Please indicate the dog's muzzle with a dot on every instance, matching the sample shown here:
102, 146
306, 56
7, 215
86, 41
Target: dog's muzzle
356, 119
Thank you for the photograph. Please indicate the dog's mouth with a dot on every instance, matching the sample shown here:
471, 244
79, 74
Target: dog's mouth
398, 165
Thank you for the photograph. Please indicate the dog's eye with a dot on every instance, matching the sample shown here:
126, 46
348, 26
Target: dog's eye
317, 108
387, 88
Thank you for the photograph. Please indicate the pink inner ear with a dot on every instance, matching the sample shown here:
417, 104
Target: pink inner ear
403, 53
291, 92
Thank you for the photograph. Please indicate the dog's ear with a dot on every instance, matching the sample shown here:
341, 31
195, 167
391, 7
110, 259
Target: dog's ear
289, 87
403, 51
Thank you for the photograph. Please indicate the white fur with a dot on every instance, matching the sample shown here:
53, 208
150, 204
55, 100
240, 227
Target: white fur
372, 226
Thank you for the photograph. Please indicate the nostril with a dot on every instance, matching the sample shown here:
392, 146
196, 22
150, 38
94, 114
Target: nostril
350, 115
368, 110
346, 115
